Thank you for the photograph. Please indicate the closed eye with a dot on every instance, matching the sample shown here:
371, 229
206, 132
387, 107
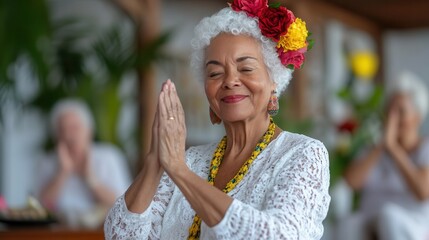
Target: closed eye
214, 74
246, 69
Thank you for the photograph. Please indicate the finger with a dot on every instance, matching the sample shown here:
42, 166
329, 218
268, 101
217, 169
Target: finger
155, 127
156, 118
163, 86
178, 105
170, 101
163, 115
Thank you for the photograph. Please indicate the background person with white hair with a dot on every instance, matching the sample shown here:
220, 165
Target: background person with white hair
81, 176
393, 176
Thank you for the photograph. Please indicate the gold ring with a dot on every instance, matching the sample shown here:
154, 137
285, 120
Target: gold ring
171, 118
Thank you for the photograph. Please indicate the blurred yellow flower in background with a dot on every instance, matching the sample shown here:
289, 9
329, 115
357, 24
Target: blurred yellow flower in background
364, 64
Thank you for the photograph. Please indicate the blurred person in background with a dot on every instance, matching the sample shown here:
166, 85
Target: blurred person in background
393, 175
81, 176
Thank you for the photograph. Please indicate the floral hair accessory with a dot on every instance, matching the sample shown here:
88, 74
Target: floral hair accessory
280, 25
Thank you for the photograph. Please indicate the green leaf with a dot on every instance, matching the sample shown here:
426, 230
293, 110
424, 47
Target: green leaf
310, 44
274, 5
344, 94
290, 66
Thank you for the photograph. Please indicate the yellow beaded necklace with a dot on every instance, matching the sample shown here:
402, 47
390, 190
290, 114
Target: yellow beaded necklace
194, 230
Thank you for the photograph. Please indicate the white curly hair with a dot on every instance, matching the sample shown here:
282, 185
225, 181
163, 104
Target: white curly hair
237, 23
410, 84
71, 105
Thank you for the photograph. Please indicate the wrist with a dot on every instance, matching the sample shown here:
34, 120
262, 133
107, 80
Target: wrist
152, 166
177, 170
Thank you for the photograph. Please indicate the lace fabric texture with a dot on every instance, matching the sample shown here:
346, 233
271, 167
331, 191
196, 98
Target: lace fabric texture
283, 196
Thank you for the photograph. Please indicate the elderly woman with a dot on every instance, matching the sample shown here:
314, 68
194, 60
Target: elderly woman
258, 182
81, 175
393, 176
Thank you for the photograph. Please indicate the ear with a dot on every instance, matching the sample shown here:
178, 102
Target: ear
214, 118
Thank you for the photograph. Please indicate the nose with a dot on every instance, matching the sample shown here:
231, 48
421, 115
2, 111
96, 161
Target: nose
231, 80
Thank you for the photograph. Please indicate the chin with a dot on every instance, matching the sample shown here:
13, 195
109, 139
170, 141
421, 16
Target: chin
237, 117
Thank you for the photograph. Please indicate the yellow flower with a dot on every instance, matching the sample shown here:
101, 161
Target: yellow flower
296, 36
364, 64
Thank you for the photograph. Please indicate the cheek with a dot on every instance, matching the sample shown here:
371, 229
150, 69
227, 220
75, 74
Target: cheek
261, 91
211, 90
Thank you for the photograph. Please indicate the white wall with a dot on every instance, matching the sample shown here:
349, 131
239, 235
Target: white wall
407, 50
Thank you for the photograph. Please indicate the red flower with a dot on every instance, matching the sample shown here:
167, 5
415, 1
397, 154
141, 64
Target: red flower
349, 125
274, 22
251, 7
295, 58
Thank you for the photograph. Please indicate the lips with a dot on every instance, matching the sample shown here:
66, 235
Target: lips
233, 98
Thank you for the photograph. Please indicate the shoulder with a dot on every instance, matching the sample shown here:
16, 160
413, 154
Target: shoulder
298, 144
303, 159
299, 153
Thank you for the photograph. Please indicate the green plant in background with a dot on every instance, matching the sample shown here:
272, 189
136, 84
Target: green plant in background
60, 62
24, 26
362, 127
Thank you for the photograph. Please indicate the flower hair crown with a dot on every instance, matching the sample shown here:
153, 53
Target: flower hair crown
280, 25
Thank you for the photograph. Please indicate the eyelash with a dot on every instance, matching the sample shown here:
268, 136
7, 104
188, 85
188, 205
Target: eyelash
214, 74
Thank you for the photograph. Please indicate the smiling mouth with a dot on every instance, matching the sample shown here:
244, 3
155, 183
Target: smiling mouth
233, 98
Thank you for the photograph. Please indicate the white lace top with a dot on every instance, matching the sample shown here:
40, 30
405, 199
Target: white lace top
284, 195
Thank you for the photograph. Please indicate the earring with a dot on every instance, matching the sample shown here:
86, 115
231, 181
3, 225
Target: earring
273, 104
214, 118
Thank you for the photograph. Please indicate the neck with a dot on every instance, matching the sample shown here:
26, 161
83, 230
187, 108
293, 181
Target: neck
244, 135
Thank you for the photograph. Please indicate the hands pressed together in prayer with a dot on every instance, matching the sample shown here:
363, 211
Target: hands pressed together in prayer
391, 133
70, 165
167, 151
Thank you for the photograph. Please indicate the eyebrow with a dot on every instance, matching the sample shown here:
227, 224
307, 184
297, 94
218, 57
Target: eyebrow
240, 59
213, 62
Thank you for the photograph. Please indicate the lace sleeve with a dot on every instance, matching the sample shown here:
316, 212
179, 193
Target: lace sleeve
295, 206
122, 224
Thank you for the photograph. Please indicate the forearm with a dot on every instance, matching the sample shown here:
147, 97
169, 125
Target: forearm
416, 178
357, 173
51, 191
209, 203
130, 217
141, 192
